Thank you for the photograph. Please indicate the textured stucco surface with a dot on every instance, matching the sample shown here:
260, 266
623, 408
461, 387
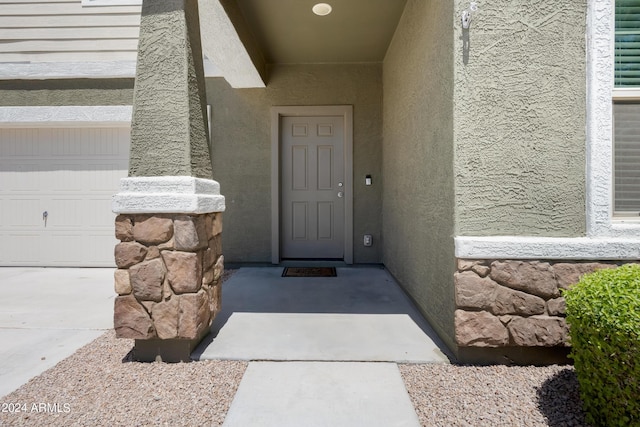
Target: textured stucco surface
520, 119
418, 188
169, 124
241, 144
242, 150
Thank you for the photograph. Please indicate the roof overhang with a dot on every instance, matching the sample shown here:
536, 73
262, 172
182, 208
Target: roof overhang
228, 43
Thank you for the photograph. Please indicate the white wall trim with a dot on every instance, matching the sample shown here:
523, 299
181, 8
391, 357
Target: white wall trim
66, 116
168, 194
82, 70
65, 70
599, 150
92, 3
517, 247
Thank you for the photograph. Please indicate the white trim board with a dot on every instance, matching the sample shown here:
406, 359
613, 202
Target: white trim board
599, 150
94, 3
168, 194
82, 70
526, 247
65, 116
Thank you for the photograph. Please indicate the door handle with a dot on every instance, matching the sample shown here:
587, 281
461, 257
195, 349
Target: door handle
340, 194
45, 214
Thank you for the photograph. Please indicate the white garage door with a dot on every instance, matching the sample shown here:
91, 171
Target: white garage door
56, 186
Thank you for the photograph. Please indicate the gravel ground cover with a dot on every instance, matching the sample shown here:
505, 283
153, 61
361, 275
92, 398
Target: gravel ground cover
100, 386
513, 396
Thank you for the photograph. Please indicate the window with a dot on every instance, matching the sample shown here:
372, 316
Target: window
626, 110
626, 116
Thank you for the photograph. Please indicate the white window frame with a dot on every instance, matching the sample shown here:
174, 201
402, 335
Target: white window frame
601, 94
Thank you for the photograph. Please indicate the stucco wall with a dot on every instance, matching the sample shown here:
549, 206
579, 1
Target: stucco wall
242, 145
242, 150
169, 121
520, 119
418, 189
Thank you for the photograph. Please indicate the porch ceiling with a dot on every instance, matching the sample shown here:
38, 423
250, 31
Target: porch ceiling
288, 32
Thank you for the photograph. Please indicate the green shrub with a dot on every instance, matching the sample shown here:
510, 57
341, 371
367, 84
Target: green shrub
603, 311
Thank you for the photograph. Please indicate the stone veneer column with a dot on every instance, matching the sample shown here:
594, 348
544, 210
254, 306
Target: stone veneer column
169, 225
169, 263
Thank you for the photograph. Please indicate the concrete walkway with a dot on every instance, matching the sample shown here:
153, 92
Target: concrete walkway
311, 394
46, 314
322, 351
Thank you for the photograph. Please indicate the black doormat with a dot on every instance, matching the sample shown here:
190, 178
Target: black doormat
309, 272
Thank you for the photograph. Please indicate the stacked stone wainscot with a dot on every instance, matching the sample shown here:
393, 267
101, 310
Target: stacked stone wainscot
168, 276
514, 303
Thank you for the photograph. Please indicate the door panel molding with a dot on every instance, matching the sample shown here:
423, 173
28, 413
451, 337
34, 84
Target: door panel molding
277, 112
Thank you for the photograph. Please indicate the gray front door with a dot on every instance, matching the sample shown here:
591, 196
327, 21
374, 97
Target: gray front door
312, 187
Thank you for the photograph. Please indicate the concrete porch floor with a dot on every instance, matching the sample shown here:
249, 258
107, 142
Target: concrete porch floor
322, 351
360, 315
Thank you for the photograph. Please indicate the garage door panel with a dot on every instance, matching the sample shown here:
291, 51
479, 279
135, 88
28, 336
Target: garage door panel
21, 213
108, 143
64, 142
64, 213
99, 215
25, 249
72, 174
103, 248
100, 176
22, 177
64, 177
63, 248
18, 142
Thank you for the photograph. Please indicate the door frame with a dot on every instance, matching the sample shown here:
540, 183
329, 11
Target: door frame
277, 112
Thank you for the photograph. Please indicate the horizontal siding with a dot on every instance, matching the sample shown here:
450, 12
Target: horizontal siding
49, 22
92, 33
7, 2
62, 8
112, 45
73, 57
65, 31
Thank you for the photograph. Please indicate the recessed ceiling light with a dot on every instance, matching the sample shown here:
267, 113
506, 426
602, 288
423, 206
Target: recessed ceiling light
322, 9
